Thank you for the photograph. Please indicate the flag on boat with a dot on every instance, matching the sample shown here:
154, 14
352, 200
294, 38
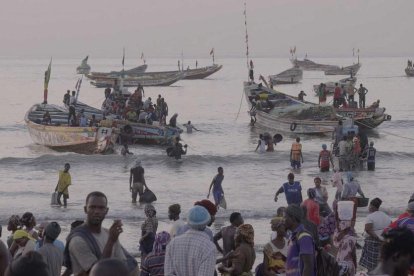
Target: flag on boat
47, 74
47, 78
212, 51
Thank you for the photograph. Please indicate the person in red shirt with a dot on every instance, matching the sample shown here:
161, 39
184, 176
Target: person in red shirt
325, 159
406, 214
312, 207
337, 95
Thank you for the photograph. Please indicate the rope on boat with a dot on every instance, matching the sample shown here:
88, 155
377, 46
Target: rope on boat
241, 101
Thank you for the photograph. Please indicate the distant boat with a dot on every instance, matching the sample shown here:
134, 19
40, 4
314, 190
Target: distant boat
292, 75
309, 65
348, 70
61, 137
409, 71
143, 80
201, 73
330, 86
84, 68
134, 71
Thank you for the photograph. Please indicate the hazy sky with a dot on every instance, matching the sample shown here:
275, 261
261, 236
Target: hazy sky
162, 28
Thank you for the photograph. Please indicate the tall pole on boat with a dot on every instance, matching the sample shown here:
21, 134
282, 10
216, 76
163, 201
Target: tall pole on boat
77, 87
247, 40
358, 55
182, 60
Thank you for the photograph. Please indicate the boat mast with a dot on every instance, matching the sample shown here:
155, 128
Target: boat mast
77, 87
247, 40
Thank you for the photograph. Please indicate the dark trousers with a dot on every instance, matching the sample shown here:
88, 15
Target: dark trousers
350, 98
371, 166
362, 102
72, 112
65, 198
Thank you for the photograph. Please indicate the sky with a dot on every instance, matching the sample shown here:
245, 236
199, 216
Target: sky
164, 28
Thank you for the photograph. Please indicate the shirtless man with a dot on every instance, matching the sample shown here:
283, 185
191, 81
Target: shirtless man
137, 181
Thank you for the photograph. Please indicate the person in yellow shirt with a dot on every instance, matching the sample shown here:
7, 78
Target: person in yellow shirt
63, 184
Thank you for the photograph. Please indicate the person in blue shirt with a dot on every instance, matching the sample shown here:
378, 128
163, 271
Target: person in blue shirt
292, 190
218, 192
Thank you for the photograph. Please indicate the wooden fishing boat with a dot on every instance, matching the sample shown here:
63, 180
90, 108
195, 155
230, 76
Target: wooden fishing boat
133, 132
143, 80
365, 118
201, 73
61, 137
409, 71
84, 68
134, 71
351, 70
330, 86
292, 75
309, 65
277, 111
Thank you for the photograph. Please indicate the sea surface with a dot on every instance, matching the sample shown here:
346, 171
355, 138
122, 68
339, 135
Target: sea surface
216, 106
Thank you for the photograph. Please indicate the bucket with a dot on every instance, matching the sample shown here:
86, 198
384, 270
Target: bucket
345, 210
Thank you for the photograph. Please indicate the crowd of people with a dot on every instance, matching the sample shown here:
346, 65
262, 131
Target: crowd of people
134, 108
308, 238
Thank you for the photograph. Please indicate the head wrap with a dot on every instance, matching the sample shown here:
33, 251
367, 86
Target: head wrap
294, 211
211, 208
14, 219
161, 241
410, 207
412, 197
175, 208
52, 230
311, 193
277, 221
349, 176
18, 234
247, 233
150, 211
376, 202
324, 146
198, 218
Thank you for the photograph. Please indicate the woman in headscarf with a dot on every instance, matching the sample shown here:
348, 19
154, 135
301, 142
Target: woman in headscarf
275, 252
244, 254
148, 230
345, 240
154, 262
375, 223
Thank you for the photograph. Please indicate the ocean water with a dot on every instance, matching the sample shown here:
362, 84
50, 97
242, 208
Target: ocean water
216, 106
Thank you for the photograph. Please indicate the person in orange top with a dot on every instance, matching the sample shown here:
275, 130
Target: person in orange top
325, 158
312, 207
296, 154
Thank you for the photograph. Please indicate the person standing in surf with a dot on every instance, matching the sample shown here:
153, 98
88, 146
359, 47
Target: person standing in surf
63, 184
137, 181
218, 193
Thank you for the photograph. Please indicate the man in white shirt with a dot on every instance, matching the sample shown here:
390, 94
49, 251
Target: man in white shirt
190, 127
174, 215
